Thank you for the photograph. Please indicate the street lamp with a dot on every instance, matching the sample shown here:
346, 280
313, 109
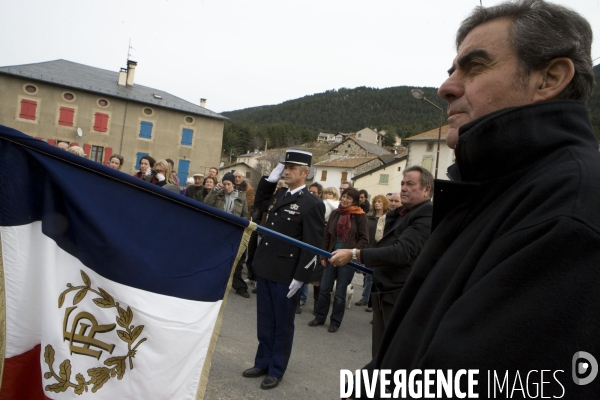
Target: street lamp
418, 94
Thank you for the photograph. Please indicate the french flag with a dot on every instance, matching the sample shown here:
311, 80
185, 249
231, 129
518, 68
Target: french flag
111, 287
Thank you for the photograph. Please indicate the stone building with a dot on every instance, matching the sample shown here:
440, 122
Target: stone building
105, 113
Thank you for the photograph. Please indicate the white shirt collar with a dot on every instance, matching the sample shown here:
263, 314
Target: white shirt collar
296, 190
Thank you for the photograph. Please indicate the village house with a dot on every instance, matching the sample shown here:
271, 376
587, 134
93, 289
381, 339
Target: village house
422, 151
383, 179
105, 113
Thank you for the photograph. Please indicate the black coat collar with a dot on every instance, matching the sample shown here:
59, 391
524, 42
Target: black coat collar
513, 139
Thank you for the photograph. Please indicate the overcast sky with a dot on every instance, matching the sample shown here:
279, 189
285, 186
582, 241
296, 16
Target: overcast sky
241, 53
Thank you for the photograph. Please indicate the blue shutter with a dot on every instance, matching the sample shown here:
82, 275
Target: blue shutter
186, 137
138, 157
146, 130
182, 171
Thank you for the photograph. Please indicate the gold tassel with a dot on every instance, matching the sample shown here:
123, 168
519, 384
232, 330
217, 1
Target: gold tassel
215, 335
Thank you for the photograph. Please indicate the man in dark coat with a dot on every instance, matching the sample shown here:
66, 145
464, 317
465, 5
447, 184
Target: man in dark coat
507, 284
406, 231
282, 267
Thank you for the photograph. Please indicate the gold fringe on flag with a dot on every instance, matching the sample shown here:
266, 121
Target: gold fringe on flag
2, 316
215, 335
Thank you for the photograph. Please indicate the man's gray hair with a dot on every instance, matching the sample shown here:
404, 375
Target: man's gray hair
426, 177
541, 32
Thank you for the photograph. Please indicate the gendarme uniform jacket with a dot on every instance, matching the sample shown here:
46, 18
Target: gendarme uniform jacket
299, 216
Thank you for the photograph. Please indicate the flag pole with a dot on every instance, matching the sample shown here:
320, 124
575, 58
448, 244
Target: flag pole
302, 245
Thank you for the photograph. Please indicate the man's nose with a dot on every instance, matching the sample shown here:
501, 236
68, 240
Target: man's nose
451, 89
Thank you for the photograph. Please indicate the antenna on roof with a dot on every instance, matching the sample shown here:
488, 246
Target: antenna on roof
129, 50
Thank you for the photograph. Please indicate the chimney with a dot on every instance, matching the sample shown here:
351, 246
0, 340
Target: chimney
123, 77
203, 103
130, 72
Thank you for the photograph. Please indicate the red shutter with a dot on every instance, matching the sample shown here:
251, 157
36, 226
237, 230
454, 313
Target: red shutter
28, 108
107, 154
52, 142
101, 122
66, 116
73, 144
86, 150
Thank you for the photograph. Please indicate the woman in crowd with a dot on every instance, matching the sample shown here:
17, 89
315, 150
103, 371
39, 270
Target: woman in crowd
145, 172
316, 189
228, 199
163, 176
209, 184
346, 229
331, 201
376, 223
115, 162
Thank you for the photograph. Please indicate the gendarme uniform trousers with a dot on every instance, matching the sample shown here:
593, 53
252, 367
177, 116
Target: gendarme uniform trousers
299, 216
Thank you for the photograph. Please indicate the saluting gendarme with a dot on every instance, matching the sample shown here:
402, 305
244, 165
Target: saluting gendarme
281, 267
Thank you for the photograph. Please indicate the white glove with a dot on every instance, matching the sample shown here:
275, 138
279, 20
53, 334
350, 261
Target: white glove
294, 286
149, 172
276, 173
160, 177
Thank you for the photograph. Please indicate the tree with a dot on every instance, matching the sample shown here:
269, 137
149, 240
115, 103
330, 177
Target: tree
389, 140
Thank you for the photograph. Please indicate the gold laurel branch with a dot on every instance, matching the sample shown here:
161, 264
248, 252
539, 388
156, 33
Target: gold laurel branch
116, 366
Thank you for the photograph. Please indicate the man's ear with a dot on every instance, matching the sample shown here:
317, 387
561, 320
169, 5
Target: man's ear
554, 78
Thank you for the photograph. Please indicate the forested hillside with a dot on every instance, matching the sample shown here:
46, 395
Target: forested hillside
344, 110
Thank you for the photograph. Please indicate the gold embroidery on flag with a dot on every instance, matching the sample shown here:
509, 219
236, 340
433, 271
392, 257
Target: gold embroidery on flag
115, 366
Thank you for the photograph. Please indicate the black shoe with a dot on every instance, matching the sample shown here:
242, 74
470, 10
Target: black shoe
333, 328
361, 303
254, 372
270, 382
254, 290
298, 310
243, 292
314, 322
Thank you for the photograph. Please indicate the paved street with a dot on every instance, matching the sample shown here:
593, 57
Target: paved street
317, 355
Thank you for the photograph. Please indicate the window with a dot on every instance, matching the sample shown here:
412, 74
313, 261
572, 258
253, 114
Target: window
182, 171
148, 111
96, 154
248, 175
30, 89
28, 109
383, 178
344, 176
359, 134
66, 116
68, 96
430, 146
348, 145
428, 163
100, 122
138, 157
323, 176
146, 130
186, 136
103, 102
399, 169
189, 120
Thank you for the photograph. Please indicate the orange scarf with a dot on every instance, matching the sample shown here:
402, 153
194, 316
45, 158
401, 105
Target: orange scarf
344, 223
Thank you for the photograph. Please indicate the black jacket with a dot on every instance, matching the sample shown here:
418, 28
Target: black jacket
509, 279
392, 257
299, 216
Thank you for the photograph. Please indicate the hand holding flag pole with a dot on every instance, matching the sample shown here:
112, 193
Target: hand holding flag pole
302, 245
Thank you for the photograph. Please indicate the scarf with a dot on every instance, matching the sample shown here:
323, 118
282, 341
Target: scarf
229, 201
344, 224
